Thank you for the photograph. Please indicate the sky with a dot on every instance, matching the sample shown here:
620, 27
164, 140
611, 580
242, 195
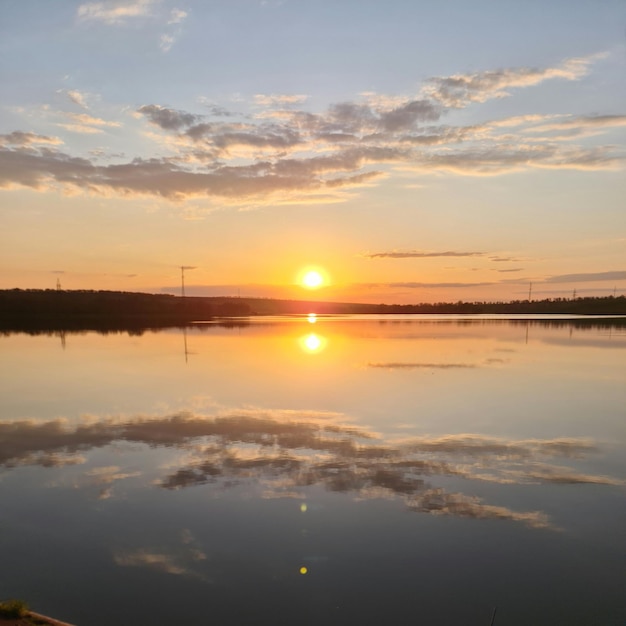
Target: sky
407, 151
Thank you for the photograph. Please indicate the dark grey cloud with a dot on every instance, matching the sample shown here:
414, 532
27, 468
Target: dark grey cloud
168, 119
504, 259
44, 168
224, 136
416, 254
587, 277
406, 117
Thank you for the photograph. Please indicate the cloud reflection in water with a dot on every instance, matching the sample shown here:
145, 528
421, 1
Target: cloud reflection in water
286, 451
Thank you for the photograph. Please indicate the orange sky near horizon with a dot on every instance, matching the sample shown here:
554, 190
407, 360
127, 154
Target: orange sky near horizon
406, 164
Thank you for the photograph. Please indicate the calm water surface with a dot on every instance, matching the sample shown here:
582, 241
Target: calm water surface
317, 471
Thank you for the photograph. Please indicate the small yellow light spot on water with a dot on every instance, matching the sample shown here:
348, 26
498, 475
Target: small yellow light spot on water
312, 318
303, 507
303, 570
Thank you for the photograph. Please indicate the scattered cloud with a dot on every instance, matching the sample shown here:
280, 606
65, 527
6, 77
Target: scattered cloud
166, 42
279, 100
462, 89
177, 16
587, 277
167, 119
285, 154
504, 259
114, 11
84, 123
419, 285
160, 561
22, 139
174, 26
443, 366
415, 254
77, 98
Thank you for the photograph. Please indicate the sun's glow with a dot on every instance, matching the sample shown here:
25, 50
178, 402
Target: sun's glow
312, 279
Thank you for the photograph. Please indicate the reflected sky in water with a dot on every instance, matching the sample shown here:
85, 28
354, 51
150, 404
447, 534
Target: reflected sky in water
318, 470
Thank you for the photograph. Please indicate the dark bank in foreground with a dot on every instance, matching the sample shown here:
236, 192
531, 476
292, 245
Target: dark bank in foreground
46, 308
17, 613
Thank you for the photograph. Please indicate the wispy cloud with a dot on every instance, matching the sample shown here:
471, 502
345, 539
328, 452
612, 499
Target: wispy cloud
462, 89
174, 29
587, 277
279, 100
429, 366
77, 97
416, 254
114, 11
25, 139
87, 124
177, 16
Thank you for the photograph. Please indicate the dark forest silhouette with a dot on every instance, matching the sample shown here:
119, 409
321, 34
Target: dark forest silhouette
32, 309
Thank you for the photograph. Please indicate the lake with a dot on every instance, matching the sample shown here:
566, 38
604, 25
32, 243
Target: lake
318, 470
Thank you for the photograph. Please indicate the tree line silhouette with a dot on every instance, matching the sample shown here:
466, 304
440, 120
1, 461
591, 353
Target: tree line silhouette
24, 309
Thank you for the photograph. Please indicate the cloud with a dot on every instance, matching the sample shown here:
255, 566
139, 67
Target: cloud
84, 123
177, 16
174, 22
462, 89
504, 259
160, 561
587, 277
583, 122
77, 98
288, 451
114, 11
444, 366
415, 254
168, 119
25, 139
439, 502
284, 154
418, 285
167, 178
279, 100
166, 42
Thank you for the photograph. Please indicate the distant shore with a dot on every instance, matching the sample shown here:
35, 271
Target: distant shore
48, 309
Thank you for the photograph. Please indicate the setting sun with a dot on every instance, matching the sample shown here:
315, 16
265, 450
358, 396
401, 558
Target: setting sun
312, 279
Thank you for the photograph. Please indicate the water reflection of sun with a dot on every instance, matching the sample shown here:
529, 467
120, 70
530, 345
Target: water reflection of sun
312, 343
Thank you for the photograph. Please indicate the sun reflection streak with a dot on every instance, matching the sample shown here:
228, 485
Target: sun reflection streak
311, 318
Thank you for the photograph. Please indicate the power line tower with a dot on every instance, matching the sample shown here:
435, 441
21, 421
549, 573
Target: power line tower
182, 277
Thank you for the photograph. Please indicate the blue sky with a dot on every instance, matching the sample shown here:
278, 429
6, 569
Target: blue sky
409, 151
